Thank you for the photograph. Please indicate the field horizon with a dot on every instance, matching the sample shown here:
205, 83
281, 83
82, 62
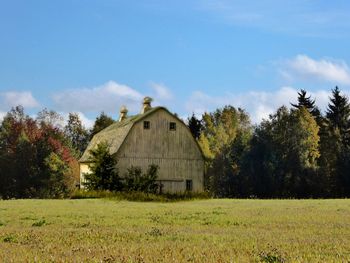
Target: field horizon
212, 230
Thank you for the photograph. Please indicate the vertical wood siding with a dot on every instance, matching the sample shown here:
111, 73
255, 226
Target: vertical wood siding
175, 152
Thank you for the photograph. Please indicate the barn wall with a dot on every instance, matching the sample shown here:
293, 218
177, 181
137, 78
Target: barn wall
175, 152
84, 168
173, 173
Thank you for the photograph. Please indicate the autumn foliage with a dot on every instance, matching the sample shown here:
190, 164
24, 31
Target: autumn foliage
35, 158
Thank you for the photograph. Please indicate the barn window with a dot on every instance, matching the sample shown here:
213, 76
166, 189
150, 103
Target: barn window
189, 185
146, 125
172, 126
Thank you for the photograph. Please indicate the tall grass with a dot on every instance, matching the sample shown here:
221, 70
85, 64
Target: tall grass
214, 230
140, 196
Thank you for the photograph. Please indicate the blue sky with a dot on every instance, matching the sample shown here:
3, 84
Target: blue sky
191, 56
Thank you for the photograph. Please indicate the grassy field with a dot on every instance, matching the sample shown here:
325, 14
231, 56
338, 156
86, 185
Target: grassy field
102, 230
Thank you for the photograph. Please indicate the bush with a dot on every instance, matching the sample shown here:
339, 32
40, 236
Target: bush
137, 181
139, 196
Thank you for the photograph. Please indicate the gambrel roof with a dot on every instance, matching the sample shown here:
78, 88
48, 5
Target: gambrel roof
116, 133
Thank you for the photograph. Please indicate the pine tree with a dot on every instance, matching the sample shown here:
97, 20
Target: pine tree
195, 126
338, 118
338, 112
103, 170
308, 103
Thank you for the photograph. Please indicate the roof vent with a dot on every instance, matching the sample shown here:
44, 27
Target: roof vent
123, 113
146, 105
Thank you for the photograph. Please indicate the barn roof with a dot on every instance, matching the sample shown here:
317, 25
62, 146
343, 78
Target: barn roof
116, 133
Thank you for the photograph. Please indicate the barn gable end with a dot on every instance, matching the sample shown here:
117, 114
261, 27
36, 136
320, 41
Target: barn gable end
155, 137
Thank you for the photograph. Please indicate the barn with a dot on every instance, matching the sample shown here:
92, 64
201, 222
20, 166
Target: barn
155, 136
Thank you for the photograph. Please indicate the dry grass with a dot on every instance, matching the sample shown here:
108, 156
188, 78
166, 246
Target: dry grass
101, 230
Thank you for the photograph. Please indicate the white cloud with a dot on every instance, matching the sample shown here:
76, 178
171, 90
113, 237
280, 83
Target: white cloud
2, 115
87, 123
258, 104
14, 98
162, 92
108, 97
306, 68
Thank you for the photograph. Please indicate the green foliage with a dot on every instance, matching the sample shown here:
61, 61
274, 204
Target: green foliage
195, 126
272, 256
76, 133
9, 239
103, 170
34, 157
336, 144
101, 122
304, 138
224, 141
137, 181
283, 156
293, 153
39, 223
338, 112
139, 196
56, 169
307, 103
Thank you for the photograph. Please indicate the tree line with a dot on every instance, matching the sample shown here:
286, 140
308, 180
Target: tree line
294, 153
39, 156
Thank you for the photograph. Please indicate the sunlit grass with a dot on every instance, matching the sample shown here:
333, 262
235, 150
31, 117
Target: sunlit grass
110, 230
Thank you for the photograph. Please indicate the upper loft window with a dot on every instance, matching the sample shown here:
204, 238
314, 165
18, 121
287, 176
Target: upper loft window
172, 126
146, 125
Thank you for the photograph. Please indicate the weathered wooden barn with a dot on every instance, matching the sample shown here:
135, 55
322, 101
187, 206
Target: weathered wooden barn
155, 136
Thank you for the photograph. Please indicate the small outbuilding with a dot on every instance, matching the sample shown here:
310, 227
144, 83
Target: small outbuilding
155, 136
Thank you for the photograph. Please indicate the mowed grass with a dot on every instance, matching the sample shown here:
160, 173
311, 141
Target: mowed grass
107, 230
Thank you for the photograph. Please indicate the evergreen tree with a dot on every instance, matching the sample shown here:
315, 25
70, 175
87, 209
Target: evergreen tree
103, 170
308, 103
195, 126
336, 163
137, 181
101, 122
338, 112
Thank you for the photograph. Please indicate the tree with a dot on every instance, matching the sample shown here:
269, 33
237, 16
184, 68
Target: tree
308, 103
101, 122
195, 126
283, 158
76, 133
103, 170
57, 170
50, 118
135, 180
335, 161
29, 153
338, 112
225, 173
224, 140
